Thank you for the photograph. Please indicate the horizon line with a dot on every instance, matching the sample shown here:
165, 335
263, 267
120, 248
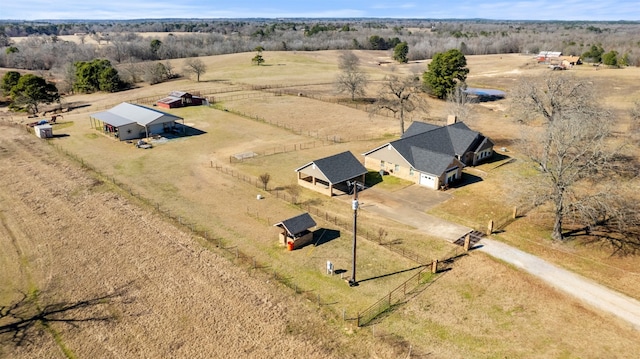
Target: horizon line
317, 18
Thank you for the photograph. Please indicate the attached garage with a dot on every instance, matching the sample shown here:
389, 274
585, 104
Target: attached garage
428, 180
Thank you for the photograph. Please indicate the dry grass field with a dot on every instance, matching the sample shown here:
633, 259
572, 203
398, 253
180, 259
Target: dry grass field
73, 235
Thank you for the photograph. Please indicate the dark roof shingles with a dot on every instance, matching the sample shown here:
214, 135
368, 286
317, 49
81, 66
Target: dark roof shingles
297, 224
432, 148
340, 167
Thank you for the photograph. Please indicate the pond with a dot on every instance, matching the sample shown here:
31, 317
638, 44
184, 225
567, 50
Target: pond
486, 94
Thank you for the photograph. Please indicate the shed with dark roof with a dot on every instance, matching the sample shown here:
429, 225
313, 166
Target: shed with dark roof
296, 230
337, 172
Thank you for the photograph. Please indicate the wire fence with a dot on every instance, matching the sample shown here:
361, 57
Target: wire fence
395, 296
329, 138
292, 196
235, 254
245, 156
425, 277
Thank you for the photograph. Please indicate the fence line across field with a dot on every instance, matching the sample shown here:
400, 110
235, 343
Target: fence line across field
234, 253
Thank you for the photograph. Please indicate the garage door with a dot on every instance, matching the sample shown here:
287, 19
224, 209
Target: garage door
427, 180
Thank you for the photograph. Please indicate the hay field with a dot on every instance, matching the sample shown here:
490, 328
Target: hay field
479, 309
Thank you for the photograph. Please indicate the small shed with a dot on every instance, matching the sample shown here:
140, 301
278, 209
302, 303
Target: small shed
295, 231
333, 172
43, 131
180, 99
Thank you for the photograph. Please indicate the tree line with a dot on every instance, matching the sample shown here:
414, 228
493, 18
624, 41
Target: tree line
577, 170
123, 41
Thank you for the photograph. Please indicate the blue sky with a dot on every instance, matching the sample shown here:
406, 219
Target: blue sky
593, 10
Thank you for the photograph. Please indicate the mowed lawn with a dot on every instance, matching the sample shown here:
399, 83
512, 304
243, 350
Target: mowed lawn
515, 315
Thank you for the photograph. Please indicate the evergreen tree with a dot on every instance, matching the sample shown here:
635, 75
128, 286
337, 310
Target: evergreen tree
96, 75
610, 58
9, 80
400, 52
445, 71
258, 59
30, 91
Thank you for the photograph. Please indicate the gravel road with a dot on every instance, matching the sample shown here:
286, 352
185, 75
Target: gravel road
401, 206
582, 288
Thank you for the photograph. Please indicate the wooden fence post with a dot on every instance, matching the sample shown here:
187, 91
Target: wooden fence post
515, 212
490, 227
434, 266
467, 242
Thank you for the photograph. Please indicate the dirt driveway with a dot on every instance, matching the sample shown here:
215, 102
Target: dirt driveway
594, 294
408, 205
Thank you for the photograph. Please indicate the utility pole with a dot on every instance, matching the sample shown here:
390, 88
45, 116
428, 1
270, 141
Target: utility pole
354, 204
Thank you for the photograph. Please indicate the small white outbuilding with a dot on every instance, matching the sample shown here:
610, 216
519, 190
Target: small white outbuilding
43, 131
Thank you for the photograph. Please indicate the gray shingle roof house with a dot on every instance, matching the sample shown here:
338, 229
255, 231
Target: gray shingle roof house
127, 121
431, 155
295, 230
325, 174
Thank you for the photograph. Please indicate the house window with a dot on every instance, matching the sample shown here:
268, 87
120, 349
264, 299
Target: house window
410, 171
396, 168
382, 164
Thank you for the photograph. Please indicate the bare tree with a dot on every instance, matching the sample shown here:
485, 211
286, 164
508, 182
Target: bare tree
154, 72
351, 80
401, 95
196, 67
294, 191
570, 149
459, 103
264, 179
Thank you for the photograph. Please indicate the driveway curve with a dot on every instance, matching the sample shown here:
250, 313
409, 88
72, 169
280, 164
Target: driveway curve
582, 288
408, 206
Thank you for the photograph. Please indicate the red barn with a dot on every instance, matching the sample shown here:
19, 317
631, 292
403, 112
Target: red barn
180, 99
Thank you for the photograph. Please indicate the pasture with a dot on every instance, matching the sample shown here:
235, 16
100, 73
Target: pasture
478, 308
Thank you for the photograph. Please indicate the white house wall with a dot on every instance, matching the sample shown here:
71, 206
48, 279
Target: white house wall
129, 132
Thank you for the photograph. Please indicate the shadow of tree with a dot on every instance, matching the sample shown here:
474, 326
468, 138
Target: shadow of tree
23, 320
620, 244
